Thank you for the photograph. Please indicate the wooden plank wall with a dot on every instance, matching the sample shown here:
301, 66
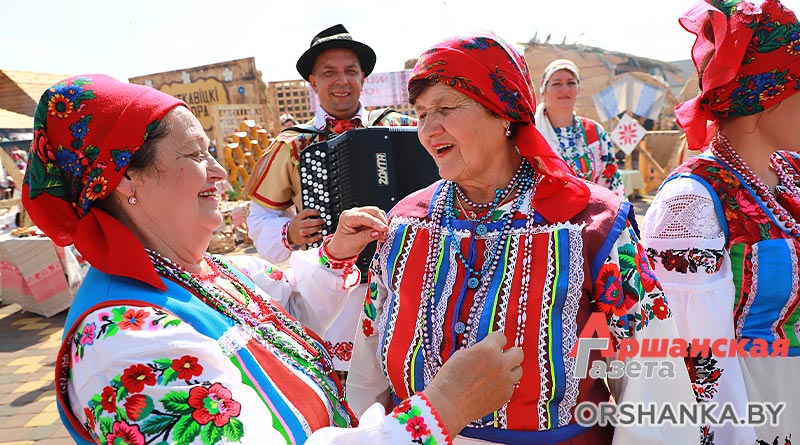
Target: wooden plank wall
224, 83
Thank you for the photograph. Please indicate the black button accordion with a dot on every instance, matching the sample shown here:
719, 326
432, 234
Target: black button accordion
375, 166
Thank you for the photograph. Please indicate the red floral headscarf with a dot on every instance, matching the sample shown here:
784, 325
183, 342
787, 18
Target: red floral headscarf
487, 69
86, 129
752, 57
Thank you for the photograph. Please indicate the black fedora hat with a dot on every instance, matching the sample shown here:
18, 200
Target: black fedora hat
335, 37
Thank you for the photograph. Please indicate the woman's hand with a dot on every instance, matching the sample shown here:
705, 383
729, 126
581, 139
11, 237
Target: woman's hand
357, 227
475, 382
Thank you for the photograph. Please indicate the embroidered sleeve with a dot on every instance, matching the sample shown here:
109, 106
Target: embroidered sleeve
684, 236
264, 226
626, 290
140, 375
285, 237
686, 245
421, 421
366, 383
346, 266
414, 421
314, 294
639, 315
607, 173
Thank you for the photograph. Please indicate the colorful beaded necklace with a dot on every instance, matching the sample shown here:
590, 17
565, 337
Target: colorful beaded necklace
721, 148
271, 325
499, 194
443, 214
521, 182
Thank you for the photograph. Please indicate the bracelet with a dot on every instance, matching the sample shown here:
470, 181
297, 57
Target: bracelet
346, 265
285, 237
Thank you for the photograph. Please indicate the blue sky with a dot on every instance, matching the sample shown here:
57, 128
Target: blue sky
127, 38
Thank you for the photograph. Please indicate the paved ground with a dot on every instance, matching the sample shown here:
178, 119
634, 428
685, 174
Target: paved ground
28, 346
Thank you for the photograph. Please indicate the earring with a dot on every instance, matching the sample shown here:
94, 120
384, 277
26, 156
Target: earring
508, 130
132, 200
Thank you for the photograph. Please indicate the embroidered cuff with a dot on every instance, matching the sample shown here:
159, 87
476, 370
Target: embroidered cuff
421, 420
347, 266
285, 238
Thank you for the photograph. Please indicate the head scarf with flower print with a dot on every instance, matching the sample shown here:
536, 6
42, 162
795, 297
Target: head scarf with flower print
748, 58
86, 129
487, 69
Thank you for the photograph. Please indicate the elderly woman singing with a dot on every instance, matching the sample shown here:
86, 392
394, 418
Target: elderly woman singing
509, 241
165, 343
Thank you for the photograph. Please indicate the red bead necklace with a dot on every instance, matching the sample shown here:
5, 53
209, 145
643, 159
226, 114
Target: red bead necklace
721, 148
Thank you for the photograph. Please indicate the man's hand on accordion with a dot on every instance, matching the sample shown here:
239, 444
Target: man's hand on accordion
305, 228
357, 227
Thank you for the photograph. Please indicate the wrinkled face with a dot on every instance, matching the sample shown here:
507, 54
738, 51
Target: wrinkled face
462, 136
561, 91
337, 79
179, 195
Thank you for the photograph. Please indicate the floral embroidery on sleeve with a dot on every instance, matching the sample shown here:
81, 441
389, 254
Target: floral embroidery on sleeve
370, 311
119, 318
273, 272
627, 291
421, 421
689, 260
124, 412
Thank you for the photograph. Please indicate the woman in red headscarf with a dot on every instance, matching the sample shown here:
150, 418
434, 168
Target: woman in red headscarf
165, 343
723, 229
511, 241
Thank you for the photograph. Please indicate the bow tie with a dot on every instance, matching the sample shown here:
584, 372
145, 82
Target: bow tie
340, 126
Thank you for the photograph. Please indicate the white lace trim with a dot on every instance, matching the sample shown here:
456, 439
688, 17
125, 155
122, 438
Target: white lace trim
751, 295
569, 320
505, 292
388, 310
544, 368
685, 216
437, 322
234, 339
576, 278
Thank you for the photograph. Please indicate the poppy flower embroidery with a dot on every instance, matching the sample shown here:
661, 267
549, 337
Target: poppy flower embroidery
108, 399
660, 308
417, 427
213, 404
366, 327
136, 377
187, 367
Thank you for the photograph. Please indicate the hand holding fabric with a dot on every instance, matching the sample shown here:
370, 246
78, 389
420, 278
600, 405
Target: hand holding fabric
357, 227
475, 381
